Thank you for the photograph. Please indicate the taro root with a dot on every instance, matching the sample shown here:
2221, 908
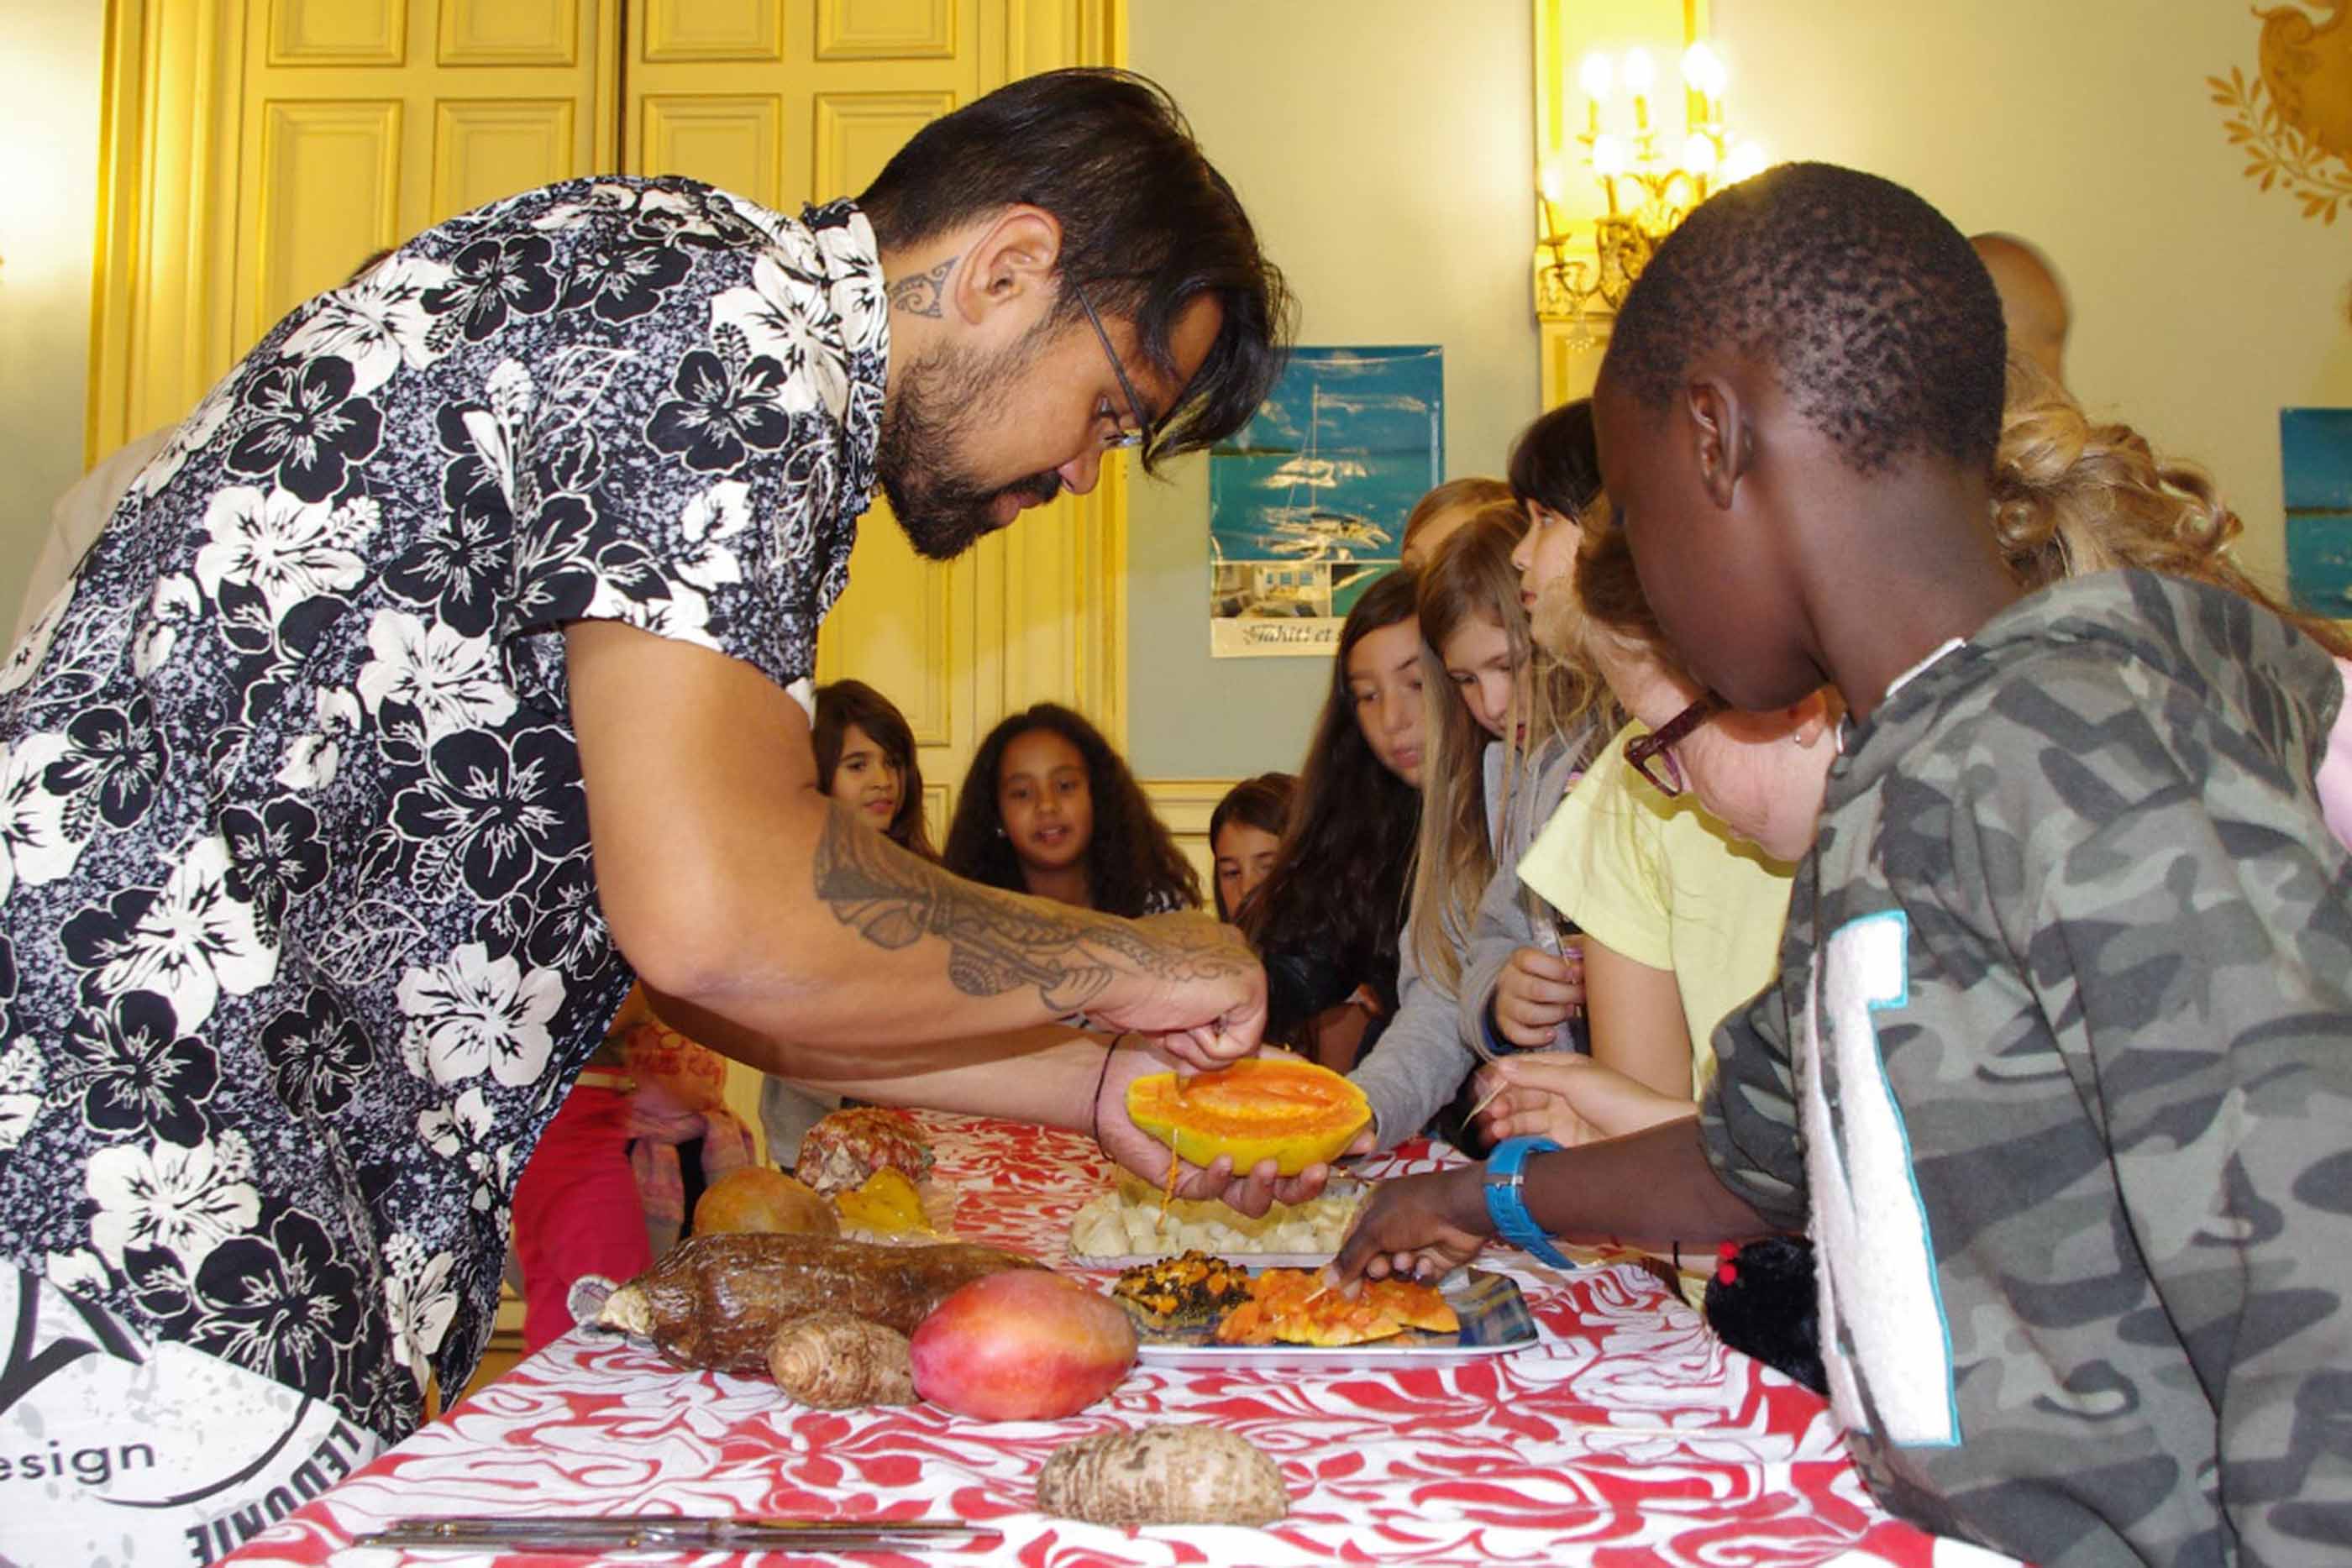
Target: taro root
832, 1360
1273, 1107
717, 1302
1163, 1474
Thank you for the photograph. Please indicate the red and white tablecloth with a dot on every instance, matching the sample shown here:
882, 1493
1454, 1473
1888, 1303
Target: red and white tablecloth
1629, 1435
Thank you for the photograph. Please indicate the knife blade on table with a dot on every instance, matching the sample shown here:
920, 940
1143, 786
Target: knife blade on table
670, 1533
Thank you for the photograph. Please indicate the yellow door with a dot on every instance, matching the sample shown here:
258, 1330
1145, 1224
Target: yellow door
256, 150
365, 120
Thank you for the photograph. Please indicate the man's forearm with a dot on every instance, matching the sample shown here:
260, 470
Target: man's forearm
1045, 1075
729, 881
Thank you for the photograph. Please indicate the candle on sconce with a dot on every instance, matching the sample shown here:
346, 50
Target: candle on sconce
1597, 78
1704, 74
1641, 75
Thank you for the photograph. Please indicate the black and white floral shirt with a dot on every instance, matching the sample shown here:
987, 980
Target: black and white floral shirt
299, 941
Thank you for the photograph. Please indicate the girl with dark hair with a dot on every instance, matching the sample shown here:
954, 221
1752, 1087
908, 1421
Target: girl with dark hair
1245, 837
1326, 918
866, 755
1049, 809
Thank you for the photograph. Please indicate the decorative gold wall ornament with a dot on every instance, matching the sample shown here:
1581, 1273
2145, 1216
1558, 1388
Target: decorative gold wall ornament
1650, 180
2295, 119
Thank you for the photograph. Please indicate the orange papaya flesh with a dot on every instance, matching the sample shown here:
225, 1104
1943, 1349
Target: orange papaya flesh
1291, 1111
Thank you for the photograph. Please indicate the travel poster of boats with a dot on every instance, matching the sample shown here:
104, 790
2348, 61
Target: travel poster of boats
1307, 502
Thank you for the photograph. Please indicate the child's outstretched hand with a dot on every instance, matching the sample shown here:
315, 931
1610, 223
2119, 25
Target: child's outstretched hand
1569, 1098
1536, 993
1418, 1227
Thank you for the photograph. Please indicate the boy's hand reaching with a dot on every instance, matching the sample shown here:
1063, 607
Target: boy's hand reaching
1536, 993
1417, 1227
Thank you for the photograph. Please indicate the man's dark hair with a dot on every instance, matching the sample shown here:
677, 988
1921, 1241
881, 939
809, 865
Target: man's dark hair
1148, 225
1881, 321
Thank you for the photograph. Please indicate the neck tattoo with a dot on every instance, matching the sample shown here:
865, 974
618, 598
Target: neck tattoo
924, 293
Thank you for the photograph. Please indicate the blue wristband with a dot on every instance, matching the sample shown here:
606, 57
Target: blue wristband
1505, 1175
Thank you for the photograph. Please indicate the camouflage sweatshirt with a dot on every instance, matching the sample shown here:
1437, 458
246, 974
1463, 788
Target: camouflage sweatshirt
2059, 1077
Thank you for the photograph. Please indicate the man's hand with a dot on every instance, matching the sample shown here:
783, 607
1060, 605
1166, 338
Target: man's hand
1536, 993
1419, 1226
1250, 1192
1190, 984
1569, 1098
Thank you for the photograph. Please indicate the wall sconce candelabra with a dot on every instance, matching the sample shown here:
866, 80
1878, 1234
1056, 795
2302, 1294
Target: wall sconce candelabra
1649, 179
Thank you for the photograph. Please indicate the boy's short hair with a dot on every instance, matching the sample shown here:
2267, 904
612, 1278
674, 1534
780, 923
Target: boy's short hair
1881, 319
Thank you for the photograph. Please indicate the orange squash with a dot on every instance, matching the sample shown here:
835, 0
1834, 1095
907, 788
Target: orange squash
1291, 1111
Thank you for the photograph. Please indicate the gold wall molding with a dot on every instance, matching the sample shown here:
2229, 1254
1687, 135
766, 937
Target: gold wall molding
2294, 117
1185, 805
1567, 356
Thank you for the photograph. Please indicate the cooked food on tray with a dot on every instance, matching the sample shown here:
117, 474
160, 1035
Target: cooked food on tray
1293, 1306
1184, 1292
1265, 1107
1128, 1221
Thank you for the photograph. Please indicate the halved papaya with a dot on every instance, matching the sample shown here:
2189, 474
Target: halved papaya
1291, 1111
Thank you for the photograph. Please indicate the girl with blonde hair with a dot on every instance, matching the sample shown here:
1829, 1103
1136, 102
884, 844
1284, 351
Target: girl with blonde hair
1495, 761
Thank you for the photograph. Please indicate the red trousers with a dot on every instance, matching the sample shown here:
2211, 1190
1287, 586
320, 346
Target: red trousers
576, 1210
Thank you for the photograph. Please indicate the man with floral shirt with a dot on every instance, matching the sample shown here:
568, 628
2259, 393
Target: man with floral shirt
439, 675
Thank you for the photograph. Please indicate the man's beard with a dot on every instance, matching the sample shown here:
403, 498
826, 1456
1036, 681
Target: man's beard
941, 398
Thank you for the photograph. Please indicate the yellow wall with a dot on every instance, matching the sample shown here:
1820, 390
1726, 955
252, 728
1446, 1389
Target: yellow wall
1382, 146
2202, 304
48, 166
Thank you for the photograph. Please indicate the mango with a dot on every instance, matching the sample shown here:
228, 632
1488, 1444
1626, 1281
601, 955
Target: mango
1023, 1346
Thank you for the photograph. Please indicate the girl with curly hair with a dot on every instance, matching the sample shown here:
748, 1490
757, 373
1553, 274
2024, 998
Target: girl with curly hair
1048, 807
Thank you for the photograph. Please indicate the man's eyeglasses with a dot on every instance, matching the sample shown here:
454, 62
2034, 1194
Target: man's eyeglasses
1653, 755
1120, 437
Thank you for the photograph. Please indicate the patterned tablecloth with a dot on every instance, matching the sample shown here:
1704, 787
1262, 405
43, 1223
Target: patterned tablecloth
1628, 1435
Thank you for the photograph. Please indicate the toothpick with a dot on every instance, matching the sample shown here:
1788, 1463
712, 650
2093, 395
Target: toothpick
1489, 1100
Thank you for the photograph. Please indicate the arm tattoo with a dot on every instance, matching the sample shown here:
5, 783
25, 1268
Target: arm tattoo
996, 941
925, 293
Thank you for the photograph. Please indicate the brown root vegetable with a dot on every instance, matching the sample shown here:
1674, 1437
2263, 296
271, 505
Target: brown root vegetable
1163, 1474
758, 1199
833, 1361
717, 1302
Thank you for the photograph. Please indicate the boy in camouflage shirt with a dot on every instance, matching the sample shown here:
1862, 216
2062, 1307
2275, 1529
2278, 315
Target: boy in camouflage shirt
2059, 1075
